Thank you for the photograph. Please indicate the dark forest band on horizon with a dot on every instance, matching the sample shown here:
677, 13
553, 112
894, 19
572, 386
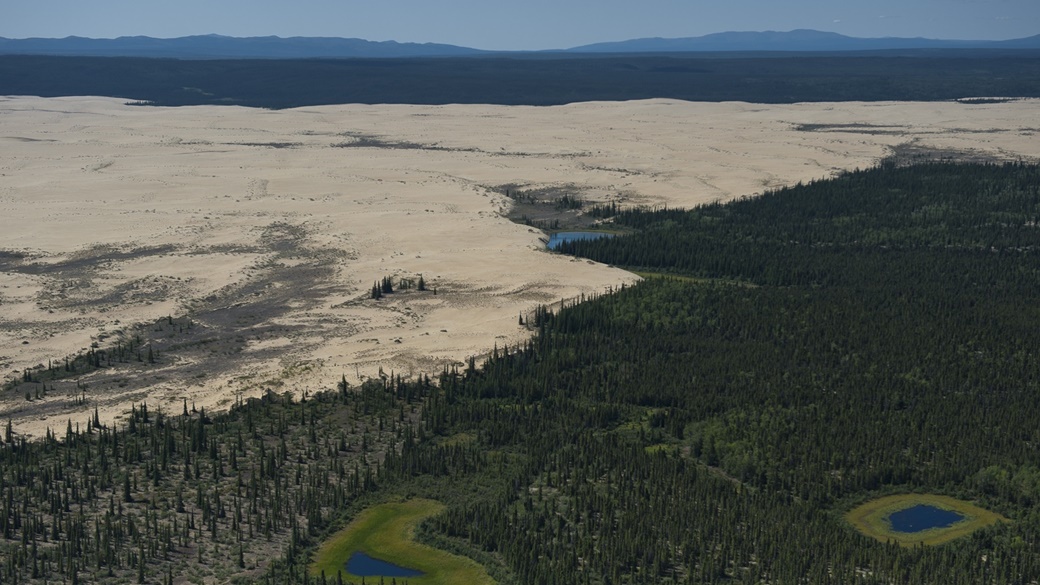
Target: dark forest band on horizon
533, 80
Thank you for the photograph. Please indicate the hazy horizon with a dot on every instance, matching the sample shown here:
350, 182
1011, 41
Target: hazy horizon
536, 25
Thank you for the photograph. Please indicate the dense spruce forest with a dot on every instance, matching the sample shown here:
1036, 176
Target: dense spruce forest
787, 357
534, 78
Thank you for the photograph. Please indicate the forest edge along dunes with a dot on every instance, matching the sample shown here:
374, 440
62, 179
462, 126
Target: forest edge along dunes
116, 217
674, 431
872, 519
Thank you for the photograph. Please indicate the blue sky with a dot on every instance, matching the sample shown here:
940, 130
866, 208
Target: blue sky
516, 24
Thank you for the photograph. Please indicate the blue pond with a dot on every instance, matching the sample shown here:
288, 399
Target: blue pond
363, 565
560, 237
922, 517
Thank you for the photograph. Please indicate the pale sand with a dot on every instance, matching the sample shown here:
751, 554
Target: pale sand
170, 211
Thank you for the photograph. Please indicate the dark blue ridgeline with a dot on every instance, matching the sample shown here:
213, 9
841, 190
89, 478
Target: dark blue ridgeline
922, 517
363, 565
560, 237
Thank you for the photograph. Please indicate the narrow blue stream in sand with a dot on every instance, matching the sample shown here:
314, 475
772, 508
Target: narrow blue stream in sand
560, 237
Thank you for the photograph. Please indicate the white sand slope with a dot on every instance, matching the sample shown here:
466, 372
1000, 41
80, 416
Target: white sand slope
278, 222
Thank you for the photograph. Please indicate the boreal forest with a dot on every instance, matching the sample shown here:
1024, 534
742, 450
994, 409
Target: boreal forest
786, 358
534, 78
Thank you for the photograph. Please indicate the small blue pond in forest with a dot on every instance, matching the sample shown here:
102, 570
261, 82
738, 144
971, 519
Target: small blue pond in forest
363, 565
560, 237
922, 517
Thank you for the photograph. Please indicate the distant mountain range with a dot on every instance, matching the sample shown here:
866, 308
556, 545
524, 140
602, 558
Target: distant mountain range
222, 47
795, 40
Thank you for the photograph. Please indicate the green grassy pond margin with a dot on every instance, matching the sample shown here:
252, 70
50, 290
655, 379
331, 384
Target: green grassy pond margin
871, 519
385, 532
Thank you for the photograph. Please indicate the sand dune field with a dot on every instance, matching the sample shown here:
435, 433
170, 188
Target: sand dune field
260, 233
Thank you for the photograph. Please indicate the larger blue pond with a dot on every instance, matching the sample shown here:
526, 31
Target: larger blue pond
363, 565
922, 517
560, 237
